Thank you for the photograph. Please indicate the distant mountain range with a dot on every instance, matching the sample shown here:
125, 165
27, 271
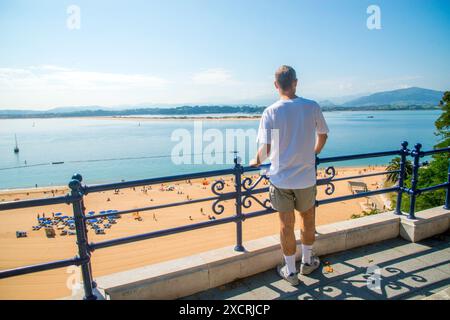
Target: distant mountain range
402, 99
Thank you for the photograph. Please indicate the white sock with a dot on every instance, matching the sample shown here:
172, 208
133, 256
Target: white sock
290, 263
306, 253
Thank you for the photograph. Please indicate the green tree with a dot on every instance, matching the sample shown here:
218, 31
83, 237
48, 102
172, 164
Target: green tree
436, 172
394, 165
443, 122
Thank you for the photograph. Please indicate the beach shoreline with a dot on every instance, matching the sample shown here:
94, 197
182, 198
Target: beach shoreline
59, 188
175, 118
206, 117
152, 118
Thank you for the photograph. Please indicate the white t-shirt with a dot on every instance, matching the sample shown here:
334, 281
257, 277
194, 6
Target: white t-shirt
290, 126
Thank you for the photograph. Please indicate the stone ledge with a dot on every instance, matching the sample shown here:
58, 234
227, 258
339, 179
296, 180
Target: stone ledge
186, 276
427, 224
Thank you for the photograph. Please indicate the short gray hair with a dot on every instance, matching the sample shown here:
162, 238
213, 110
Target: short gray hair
285, 76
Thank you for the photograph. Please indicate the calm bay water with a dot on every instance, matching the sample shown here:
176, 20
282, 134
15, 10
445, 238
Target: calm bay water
105, 144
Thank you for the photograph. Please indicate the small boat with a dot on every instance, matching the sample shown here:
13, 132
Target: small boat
16, 149
370, 117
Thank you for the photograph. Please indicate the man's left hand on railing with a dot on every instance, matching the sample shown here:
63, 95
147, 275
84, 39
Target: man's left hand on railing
261, 155
254, 163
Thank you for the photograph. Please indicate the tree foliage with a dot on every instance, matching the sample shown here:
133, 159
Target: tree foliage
394, 165
436, 171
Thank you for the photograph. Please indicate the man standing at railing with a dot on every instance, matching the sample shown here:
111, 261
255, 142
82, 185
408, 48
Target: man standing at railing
292, 131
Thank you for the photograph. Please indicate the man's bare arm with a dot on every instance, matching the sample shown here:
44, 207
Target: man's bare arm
261, 155
320, 142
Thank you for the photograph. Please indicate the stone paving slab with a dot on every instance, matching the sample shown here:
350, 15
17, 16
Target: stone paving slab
407, 271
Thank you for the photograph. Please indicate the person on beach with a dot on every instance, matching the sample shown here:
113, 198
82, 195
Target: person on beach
292, 132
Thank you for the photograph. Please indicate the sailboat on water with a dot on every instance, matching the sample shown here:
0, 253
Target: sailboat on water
16, 149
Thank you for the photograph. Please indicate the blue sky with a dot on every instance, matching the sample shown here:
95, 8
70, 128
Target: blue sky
215, 51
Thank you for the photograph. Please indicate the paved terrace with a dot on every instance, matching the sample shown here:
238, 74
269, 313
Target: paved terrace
408, 271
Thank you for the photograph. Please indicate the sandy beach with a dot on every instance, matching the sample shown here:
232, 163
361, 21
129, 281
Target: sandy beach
223, 117
37, 248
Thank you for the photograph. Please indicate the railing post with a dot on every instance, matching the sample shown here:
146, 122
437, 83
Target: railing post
401, 181
447, 192
316, 164
416, 154
82, 242
238, 187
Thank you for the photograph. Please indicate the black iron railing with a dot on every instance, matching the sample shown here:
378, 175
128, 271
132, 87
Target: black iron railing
244, 194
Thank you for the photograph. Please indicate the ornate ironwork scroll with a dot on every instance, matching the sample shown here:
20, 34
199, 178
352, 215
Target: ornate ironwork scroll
247, 202
248, 185
216, 188
331, 172
217, 207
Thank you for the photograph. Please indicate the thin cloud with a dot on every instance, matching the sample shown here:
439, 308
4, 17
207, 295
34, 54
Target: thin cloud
213, 77
46, 86
55, 77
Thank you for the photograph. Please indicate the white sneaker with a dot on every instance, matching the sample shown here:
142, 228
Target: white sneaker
307, 268
292, 278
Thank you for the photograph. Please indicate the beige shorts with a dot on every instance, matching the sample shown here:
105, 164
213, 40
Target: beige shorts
286, 200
